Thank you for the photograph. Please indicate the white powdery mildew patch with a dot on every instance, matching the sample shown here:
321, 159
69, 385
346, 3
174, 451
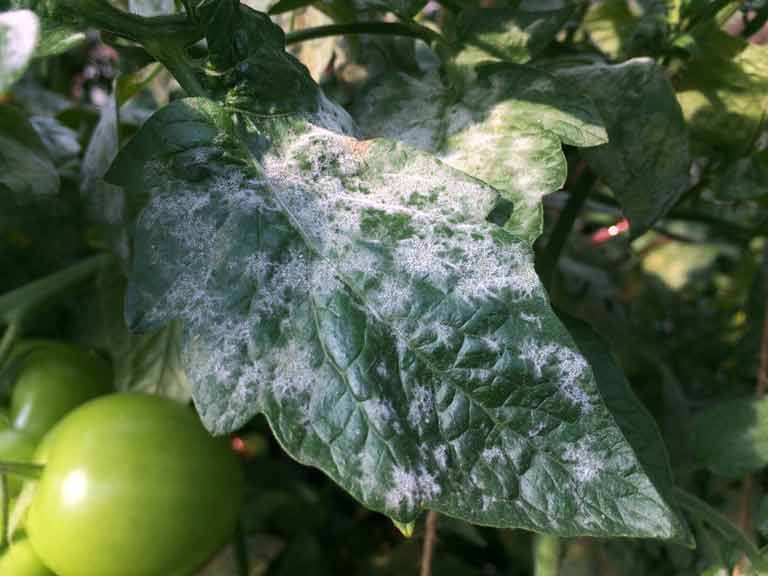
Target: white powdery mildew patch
492, 269
536, 430
411, 488
571, 367
421, 407
381, 414
441, 457
586, 465
537, 355
418, 123
323, 279
531, 319
392, 298
289, 277
422, 258
294, 373
493, 455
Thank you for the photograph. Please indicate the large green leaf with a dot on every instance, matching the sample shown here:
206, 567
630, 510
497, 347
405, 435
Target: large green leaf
507, 128
610, 25
511, 34
646, 161
19, 33
27, 173
634, 419
724, 91
57, 38
354, 293
731, 438
745, 178
38, 230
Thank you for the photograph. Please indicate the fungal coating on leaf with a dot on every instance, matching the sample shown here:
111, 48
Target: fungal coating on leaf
354, 292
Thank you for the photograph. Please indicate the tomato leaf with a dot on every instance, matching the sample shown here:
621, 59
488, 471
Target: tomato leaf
731, 439
27, 172
507, 129
634, 419
19, 33
57, 38
724, 91
511, 34
355, 293
646, 161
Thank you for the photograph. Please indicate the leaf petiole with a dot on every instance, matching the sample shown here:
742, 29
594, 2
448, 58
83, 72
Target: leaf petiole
16, 305
28, 470
379, 28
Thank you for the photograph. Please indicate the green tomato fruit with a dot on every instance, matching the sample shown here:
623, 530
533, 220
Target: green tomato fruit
56, 377
17, 446
133, 486
20, 560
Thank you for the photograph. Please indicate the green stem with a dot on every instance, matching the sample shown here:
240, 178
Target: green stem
6, 344
548, 261
546, 555
17, 304
721, 524
175, 28
386, 28
173, 57
241, 551
27, 470
4, 511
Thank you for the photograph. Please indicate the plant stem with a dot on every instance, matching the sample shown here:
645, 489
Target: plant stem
548, 261
546, 555
17, 304
386, 28
26, 470
747, 485
428, 548
4, 511
240, 548
174, 59
170, 29
7, 342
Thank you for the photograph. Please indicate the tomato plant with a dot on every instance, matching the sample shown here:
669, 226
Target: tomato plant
133, 472
500, 262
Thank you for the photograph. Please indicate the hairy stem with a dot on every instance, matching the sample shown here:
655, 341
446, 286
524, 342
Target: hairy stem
428, 549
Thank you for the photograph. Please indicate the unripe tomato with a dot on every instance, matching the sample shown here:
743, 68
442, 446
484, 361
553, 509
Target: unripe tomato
15, 445
54, 378
20, 560
133, 485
